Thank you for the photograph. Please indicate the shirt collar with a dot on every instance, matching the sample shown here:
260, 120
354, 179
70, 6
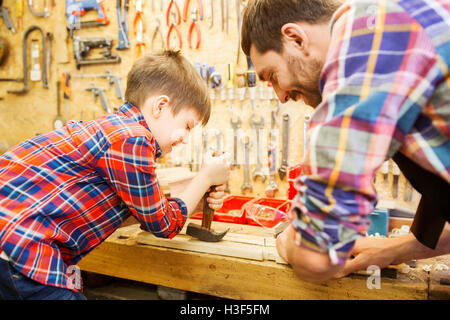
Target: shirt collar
132, 112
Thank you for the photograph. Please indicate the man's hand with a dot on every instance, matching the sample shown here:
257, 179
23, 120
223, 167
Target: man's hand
369, 251
307, 264
215, 199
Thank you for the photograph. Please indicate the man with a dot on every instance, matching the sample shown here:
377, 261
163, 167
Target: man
377, 73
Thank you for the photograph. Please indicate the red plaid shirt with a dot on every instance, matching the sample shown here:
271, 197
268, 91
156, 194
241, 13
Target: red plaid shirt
64, 192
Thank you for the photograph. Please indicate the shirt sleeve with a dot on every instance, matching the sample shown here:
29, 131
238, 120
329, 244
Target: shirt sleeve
376, 80
130, 168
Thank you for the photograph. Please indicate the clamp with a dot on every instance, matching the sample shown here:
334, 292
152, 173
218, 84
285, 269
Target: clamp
173, 26
195, 25
157, 32
186, 9
169, 14
139, 27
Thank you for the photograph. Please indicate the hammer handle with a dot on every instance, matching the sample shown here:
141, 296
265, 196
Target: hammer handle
208, 213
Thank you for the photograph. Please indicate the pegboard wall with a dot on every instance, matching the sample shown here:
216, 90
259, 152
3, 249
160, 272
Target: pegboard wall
25, 115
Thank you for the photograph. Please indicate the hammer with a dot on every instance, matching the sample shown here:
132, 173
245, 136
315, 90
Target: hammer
204, 232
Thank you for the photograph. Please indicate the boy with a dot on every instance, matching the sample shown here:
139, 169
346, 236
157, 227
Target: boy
63, 193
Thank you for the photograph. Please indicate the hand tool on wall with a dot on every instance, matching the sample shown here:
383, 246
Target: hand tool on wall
396, 175
25, 61
173, 26
35, 72
112, 80
240, 86
173, 16
204, 232
99, 92
58, 122
227, 14
285, 149
230, 85
122, 22
222, 14
157, 33
75, 9
257, 126
218, 134
186, 9
49, 39
4, 50
215, 81
272, 188
239, 26
211, 24
82, 47
246, 185
66, 91
235, 124
4, 13
45, 13
250, 75
385, 172
194, 25
139, 27
306, 120
19, 13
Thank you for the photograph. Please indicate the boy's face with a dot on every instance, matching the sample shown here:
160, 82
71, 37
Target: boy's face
169, 130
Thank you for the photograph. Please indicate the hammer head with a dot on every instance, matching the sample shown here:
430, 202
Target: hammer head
203, 234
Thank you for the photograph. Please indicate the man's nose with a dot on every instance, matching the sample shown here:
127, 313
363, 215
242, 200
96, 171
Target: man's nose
282, 94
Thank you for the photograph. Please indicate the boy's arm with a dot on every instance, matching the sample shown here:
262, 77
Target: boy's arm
129, 167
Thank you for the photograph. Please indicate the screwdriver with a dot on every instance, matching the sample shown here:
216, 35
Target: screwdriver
19, 13
230, 83
251, 80
66, 90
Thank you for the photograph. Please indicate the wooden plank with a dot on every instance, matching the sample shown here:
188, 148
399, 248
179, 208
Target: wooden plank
224, 276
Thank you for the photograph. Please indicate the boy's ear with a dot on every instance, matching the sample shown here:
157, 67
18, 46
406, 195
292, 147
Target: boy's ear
161, 102
293, 34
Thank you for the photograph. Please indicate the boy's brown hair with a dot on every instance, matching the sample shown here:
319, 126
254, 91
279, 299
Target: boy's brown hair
171, 74
262, 20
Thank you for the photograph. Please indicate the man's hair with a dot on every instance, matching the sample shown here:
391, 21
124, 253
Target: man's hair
263, 20
171, 74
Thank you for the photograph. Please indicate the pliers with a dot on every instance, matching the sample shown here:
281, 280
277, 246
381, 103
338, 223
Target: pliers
169, 13
157, 32
173, 26
195, 25
186, 9
139, 27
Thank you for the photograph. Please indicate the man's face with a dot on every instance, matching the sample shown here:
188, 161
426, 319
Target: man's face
292, 76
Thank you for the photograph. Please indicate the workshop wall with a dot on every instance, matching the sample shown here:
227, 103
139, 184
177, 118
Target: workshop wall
23, 116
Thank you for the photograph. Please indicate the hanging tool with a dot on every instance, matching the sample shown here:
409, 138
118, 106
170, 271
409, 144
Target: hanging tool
235, 124
58, 122
222, 14
396, 175
204, 232
246, 185
139, 27
306, 120
176, 19
285, 150
272, 188
82, 47
4, 13
250, 75
66, 91
122, 21
227, 14
257, 126
19, 13
112, 80
75, 9
240, 86
230, 85
239, 27
194, 25
25, 61
211, 24
45, 13
157, 33
186, 9
4, 50
48, 39
173, 26
215, 80
99, 92
35, 72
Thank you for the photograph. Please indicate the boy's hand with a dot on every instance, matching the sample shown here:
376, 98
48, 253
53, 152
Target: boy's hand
217, 169
215, 199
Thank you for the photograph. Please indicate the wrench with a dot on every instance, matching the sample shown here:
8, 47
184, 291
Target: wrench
257, 125
272, 188
306, 121
284, 152
219, 141
246, 185
236, 125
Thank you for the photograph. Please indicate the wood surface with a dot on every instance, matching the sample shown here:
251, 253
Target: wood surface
121, 256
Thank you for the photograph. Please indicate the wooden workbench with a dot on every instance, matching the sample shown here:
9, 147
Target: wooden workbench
123, 255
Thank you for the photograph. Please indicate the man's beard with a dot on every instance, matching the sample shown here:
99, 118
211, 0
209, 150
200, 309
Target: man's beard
308, 86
